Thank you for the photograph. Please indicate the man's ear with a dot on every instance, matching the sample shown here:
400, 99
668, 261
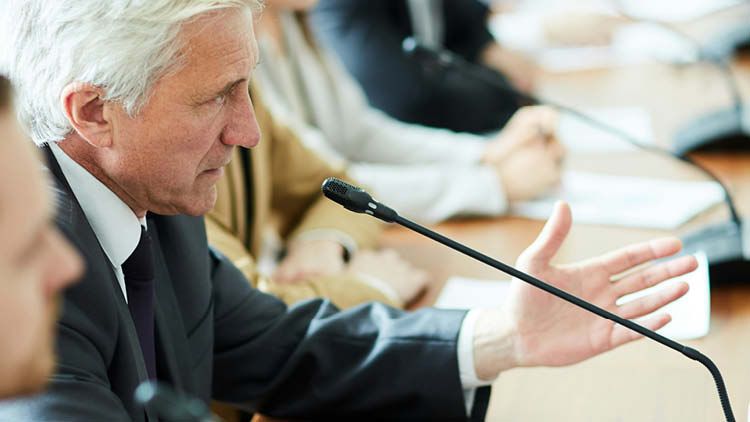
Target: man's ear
85, 109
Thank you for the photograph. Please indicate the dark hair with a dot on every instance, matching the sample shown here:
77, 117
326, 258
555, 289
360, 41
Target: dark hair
4, 93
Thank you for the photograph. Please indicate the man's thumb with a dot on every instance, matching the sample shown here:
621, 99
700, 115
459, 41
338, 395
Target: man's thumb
552, 236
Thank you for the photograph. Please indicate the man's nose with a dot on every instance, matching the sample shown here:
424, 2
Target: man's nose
242, 129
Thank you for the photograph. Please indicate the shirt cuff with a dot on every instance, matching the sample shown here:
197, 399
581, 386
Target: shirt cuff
468, 148
491, 199
466, 370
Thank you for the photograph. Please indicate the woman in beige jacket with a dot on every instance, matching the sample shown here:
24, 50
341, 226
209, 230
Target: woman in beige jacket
275, 188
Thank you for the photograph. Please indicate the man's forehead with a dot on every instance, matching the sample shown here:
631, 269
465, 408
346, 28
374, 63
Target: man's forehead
221, 41
220, 33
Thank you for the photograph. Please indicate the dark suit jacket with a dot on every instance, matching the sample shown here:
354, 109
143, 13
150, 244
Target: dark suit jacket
367, 35
219, 338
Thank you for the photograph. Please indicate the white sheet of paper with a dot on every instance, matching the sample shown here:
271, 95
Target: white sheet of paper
580, 136
650, 41
596, 198
691, 313
674, 10
574, 59
523, 31
631, 44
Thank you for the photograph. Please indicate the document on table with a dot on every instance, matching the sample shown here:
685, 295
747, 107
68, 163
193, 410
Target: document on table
575, 59
674, 10
627, 201
630, 44
691, 314
580, 136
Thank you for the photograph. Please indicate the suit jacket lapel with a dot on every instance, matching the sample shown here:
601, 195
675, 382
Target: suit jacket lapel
171, 368
70, 216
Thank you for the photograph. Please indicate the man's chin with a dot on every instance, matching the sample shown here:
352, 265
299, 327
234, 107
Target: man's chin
200, 204
196, 204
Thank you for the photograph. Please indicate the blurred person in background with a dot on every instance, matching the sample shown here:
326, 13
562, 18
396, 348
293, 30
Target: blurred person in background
425, 173
368, 35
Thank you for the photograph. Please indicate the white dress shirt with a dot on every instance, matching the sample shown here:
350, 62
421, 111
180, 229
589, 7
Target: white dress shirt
116, 227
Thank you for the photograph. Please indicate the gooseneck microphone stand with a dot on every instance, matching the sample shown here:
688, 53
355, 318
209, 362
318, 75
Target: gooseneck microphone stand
357, 200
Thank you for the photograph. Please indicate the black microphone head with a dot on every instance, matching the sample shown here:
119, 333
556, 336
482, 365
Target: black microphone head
351, 197
355, 199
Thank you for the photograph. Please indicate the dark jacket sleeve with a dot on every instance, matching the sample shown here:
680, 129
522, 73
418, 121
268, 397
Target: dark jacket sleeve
312, 360
466, 32
367, 35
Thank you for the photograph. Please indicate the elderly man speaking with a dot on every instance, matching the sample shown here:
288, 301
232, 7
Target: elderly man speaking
138, 104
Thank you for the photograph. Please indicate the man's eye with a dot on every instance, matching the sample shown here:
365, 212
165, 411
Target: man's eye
221, 99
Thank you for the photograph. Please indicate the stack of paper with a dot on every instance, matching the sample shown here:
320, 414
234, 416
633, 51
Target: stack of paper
580, 136
625, 201
674, 10
630, 44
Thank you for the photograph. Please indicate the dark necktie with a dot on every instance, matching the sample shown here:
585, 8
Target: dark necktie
139, 283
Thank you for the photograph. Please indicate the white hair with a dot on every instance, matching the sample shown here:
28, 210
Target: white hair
121, 46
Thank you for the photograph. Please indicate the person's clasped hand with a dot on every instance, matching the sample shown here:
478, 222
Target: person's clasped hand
526, 154
387, 266
310, 258
315, 258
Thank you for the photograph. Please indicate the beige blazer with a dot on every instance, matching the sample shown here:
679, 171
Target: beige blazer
281, 186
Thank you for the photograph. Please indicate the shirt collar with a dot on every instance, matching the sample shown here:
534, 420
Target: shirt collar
115, 225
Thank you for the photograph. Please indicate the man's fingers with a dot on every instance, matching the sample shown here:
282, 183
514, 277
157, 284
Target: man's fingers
623, 259
655, 275
622, 335
647, 304
552, 236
